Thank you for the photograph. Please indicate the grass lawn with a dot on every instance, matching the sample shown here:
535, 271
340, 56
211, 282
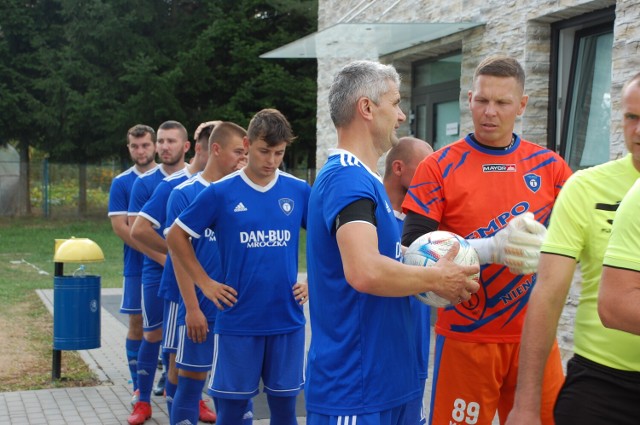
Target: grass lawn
26, 264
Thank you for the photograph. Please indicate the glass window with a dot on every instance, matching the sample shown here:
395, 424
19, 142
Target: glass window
435, 100
579, 96
439, 71
447, 123
589, 113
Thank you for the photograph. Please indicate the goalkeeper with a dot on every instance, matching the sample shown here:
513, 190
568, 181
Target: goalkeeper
497, 190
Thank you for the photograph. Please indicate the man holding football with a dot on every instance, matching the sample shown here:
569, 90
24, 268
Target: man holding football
496, 190
362, 359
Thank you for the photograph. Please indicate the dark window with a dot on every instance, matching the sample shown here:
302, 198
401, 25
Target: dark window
580, 104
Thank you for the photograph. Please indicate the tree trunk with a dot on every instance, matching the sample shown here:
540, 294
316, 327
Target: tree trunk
24, 188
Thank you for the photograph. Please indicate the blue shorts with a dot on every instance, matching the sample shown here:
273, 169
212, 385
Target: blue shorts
240, 361
193, 356
394, 416
170, 328
415, 413
131, 295
152, 307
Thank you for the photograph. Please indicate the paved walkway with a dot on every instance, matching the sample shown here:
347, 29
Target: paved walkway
105, 404
109, 402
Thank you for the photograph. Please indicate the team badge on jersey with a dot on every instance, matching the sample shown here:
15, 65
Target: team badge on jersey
286, 205
532, 181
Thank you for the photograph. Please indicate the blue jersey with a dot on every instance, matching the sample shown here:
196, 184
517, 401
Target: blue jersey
421, 315
119, 196
363, 356
142, 190
206, 248
257, 229
155, 210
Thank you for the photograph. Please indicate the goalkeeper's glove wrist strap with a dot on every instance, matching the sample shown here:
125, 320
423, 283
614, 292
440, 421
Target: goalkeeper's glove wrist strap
485, 248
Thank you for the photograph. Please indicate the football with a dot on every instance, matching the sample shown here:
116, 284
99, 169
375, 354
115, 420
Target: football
429, 248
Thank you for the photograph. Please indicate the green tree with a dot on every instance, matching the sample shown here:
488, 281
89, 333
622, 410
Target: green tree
222, 76
76, 74
24, 28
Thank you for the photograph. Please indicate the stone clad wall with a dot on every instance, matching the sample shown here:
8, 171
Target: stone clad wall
520, 29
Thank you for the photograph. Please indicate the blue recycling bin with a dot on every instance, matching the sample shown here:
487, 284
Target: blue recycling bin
76, 312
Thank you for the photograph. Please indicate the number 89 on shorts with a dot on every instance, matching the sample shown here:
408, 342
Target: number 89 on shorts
465, 413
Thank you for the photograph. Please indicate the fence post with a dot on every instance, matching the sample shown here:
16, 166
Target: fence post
45, 187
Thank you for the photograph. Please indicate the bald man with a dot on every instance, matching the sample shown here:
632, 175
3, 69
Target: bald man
400, 165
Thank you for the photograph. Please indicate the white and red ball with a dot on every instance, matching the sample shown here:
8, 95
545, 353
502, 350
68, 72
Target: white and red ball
429, 248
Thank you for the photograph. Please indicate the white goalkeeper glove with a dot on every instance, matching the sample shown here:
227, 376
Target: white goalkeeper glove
516, 246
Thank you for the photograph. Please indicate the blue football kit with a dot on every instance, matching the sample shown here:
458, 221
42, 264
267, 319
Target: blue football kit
190, 355
119, 196
257, 229
155, 211
205, 247
142, 190
131, 302
363, 358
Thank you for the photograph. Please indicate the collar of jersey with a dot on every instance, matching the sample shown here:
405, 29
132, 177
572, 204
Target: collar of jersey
336, 151
257, 187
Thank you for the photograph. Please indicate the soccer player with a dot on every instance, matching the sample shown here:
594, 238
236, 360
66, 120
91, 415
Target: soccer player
495, 189
197, 313
256, 215
141, 141
602, 384
362, 362
172, 144
152, 220
149, 228
400, 165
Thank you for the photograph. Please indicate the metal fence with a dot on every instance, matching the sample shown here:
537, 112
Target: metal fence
59, 190
70, 189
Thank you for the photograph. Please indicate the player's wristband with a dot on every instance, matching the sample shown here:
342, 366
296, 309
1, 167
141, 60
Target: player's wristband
484, 247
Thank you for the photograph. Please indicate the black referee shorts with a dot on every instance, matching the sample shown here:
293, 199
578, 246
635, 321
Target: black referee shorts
594, 394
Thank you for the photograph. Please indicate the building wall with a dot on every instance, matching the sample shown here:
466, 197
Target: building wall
521, 29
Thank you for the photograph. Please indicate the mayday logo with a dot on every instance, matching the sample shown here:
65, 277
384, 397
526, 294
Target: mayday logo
499, 168
265, 238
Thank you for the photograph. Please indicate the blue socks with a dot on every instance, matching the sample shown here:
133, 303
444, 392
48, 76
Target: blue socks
132, 346
283, 410
170, 391
247, 419
165, 361
231, 411
147, 365
186, 402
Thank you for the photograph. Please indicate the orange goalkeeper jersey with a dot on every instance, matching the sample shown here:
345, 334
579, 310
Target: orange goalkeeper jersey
474, 192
